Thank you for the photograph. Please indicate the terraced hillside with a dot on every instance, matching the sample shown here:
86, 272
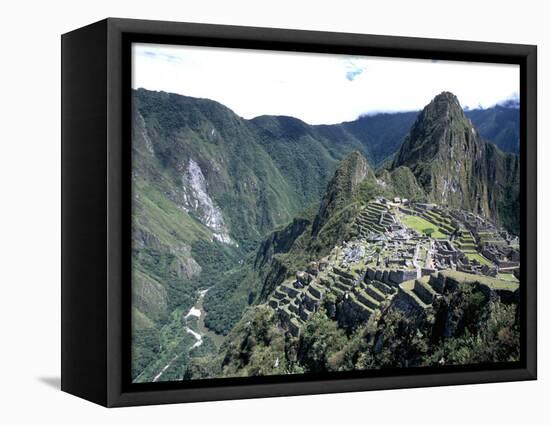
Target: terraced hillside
330, 282
391, 296
387, 257
374, 218
423, 292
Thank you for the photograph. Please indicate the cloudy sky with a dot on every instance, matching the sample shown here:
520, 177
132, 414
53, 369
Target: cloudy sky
317, 88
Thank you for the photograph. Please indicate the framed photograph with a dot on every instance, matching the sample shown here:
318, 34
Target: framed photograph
254, 212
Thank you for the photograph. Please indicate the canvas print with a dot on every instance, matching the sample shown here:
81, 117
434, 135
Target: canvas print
297, 213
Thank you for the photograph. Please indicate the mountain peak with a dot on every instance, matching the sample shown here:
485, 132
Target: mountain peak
441, 131
451, 162
443, 106
446, 97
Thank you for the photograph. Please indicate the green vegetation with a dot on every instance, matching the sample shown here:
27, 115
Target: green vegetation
403, 183
256, 346
369, 189
250, 187
492, 283
351, 187
465, 241
484, 332
227, 299
154, 349
351, 173
508, 208
287, 193
145, 349
507, 277
479, 258
443, 223
320, 344
422, 225
466, 327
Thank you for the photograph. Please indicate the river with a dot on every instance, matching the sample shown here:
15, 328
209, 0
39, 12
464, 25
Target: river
202, 330
197, 311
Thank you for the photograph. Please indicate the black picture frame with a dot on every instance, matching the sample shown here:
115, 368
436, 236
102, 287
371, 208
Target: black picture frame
96, 115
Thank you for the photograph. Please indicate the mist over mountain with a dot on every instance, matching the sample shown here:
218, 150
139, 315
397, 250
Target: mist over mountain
510, 103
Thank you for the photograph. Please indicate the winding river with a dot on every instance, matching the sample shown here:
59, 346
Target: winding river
196, 311
202, 330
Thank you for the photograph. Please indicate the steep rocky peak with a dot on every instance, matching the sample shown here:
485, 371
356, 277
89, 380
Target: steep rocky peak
444, 109
452, 163
448, 98
441, 128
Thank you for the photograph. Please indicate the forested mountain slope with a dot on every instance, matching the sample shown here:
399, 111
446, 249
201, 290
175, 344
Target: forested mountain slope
235, 206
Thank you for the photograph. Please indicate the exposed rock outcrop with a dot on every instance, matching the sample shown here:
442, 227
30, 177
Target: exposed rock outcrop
197, 200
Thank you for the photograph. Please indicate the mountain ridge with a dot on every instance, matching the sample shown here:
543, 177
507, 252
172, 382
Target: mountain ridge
234, 206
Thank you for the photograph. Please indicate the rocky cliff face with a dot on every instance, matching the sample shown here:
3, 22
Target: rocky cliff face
454, 165
211, 165
197, 200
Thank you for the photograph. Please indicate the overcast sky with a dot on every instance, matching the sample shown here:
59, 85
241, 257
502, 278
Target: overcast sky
317, 88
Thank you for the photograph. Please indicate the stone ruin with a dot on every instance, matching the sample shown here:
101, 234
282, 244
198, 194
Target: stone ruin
385, 259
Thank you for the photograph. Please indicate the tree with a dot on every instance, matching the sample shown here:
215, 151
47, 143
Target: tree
321, 339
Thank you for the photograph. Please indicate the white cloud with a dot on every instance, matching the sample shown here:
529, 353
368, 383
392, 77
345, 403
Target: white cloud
317, 88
